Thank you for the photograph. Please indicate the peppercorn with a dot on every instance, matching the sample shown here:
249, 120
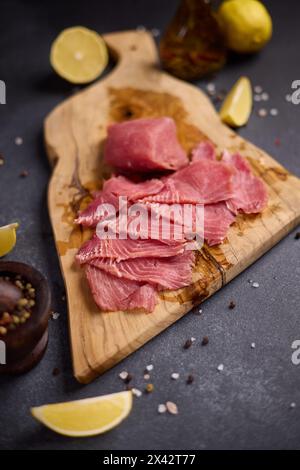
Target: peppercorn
22, 302
190, 379
187, 344
149, 388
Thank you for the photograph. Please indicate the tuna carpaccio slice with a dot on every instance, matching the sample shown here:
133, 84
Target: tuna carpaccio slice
112, 189
250, 194
125, 249
201, 182
112, 293
166, 273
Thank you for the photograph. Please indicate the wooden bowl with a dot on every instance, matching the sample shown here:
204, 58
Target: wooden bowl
26, 344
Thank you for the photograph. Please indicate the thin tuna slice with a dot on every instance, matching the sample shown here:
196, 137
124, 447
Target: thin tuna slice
167, 273
112, 189
203, 182
90, 216
121, 186
124, 249
111, 293
204, 150
217, 220
143, 145
250, 193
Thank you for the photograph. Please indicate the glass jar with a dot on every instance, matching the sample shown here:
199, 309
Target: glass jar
193, 45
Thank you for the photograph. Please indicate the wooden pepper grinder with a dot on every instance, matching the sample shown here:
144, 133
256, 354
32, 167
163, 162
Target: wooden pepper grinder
193, 45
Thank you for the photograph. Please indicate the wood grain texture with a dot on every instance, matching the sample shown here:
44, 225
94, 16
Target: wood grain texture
74, 135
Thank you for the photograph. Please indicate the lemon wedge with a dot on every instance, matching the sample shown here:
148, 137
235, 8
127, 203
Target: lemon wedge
79, 55
87, 417
8, 238
237, 105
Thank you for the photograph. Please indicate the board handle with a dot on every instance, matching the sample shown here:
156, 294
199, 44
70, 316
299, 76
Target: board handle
132, 46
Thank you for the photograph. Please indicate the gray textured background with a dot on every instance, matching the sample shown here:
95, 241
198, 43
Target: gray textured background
246, 406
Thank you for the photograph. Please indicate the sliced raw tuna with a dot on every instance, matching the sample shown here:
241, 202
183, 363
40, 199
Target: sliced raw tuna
90, 216
124, 249
121, 186
203, 181
250, 193
167, 273
143, 145
143, 221
112, 189
217, 220
204, 150
112, 293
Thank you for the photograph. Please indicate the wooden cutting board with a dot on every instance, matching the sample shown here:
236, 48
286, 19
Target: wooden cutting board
74, 135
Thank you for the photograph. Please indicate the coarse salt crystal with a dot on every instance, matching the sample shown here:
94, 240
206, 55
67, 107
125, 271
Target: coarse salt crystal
136, 392
172, 408
220, 367
149, 367
274, 112
288, 97
265, 96
155, 32
18, 141
55, 315
161, 408
262, 112
258, 89
253, 345
193, 339
123, 375
293, 405
146, 376
211, 88
255, 285
175, 376
257, 98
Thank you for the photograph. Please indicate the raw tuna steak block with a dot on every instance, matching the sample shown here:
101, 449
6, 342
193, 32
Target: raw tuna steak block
142, 145
112, 293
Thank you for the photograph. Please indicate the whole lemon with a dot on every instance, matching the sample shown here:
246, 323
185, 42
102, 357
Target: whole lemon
246, 24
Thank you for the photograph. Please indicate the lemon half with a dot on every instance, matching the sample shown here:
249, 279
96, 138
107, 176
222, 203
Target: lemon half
247, 25
87, 417
79, 55
8, 238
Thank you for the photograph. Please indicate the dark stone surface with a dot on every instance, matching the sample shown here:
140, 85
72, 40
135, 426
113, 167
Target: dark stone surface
246, 406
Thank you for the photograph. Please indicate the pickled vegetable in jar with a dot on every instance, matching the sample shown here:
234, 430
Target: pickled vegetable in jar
193, 45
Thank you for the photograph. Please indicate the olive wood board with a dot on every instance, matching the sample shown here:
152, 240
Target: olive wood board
74, 135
